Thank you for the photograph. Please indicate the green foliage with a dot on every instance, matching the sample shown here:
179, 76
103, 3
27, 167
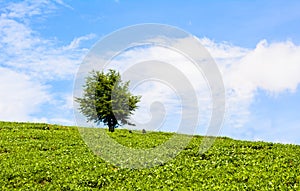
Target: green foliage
52, 157
107, 99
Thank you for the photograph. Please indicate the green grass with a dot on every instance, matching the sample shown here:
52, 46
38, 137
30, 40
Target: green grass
53, 157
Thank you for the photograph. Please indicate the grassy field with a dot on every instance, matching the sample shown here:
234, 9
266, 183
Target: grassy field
53, 157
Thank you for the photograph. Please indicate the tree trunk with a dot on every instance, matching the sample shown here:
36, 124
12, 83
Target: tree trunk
111, 128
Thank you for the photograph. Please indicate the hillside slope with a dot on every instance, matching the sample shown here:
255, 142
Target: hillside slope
52, 157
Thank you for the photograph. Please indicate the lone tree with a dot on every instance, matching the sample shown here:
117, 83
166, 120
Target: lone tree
107, 99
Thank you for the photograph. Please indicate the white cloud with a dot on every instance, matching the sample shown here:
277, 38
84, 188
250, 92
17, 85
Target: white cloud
25, 9
76, 42
24, 50
20, 97
64, 4
223, 50
271, 67
30, 61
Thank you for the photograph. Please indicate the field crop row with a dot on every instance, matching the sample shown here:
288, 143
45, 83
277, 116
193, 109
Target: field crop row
52, 157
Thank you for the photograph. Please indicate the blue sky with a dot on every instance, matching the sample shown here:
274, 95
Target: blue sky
256, 45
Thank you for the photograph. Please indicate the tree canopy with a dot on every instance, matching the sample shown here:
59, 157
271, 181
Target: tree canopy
107, 99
